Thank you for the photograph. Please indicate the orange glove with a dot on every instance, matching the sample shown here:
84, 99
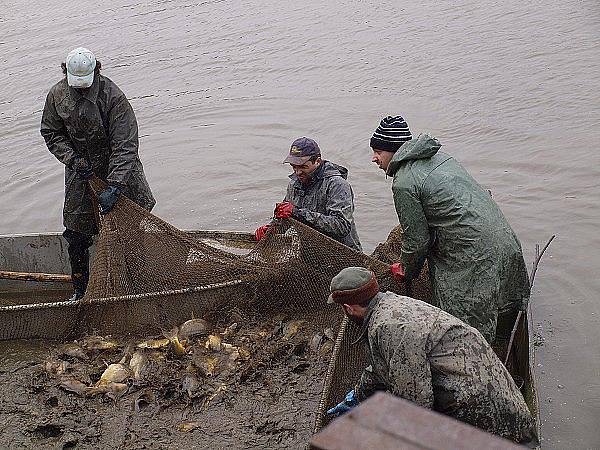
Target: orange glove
261, 232
398, 272
283, 210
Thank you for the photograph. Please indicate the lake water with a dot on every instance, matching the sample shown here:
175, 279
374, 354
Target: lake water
221, 88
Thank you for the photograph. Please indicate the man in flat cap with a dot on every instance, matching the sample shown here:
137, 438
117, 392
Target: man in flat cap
318, 195
476, 264
90, 127
423, 354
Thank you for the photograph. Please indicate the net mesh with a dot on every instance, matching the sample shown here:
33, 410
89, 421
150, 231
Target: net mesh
148, 276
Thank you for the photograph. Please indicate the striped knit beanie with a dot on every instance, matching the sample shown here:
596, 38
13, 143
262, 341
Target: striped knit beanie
391, 133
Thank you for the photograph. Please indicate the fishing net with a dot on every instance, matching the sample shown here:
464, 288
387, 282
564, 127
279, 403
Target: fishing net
147, 276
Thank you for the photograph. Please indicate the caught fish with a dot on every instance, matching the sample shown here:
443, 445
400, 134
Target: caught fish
193, 327
117, 372
244, 354
230, 330
72, 350
190, 383
154, 343
98, 343
326, 347
188, 426
315, 342
71, 385
56, 367
207, 366
176, 344
213, 343
211, 397
138, 363
112, 389
291, 328
114, 373
329, 334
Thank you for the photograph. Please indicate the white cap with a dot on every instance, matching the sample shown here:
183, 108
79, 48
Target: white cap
80, 68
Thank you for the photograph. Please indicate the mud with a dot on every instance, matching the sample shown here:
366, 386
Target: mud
265, 396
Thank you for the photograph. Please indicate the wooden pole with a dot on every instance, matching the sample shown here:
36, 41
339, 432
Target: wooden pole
42, 277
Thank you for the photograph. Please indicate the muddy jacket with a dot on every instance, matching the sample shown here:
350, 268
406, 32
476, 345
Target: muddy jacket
475, 260
326, 203
425, 355
99, 126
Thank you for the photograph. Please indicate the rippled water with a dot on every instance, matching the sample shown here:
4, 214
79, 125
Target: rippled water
221, 88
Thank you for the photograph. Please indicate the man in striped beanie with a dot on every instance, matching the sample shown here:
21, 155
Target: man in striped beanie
475, 260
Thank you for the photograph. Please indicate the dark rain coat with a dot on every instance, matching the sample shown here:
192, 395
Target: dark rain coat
475, 260
425, 355
100, 126
326, 203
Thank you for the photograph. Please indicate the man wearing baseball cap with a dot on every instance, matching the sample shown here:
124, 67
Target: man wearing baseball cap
90, 127
318, 195
423, 354
475, 260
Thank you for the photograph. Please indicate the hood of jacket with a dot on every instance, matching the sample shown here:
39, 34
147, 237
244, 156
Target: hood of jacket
425, 146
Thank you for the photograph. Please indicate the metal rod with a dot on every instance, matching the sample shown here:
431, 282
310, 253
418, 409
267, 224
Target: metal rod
538, 257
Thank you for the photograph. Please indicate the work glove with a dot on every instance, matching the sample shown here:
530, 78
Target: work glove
108, 198
82, 168
343, 407
398, 272
261, 232
284, 210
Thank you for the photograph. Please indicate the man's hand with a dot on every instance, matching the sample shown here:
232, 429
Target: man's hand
108, 198
398, 272
261, 232
284, 210
343, 407
82, 168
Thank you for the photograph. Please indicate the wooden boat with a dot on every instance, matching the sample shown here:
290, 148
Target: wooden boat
47, 253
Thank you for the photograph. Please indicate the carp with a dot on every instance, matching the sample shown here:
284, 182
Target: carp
72, 350
191, 328
291, 328
213, 343
98, 343
72, 385
176, 345
138, 363
154, 343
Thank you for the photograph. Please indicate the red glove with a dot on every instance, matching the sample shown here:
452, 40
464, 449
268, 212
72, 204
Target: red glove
284, 210
261, 232
398, 272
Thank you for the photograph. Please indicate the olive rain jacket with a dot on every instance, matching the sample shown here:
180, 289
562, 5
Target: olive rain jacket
475, 259
326, 203
99, 125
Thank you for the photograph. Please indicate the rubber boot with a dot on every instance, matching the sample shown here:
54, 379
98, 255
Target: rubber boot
79, 257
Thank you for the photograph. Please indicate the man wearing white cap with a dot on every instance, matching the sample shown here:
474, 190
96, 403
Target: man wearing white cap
90, 127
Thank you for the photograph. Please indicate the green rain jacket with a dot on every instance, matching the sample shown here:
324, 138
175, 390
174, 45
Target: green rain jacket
475, 259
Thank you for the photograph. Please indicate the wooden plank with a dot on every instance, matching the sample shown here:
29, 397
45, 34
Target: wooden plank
386, 421
29, 276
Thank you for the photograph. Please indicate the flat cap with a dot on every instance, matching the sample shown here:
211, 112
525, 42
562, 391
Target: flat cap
353, 286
